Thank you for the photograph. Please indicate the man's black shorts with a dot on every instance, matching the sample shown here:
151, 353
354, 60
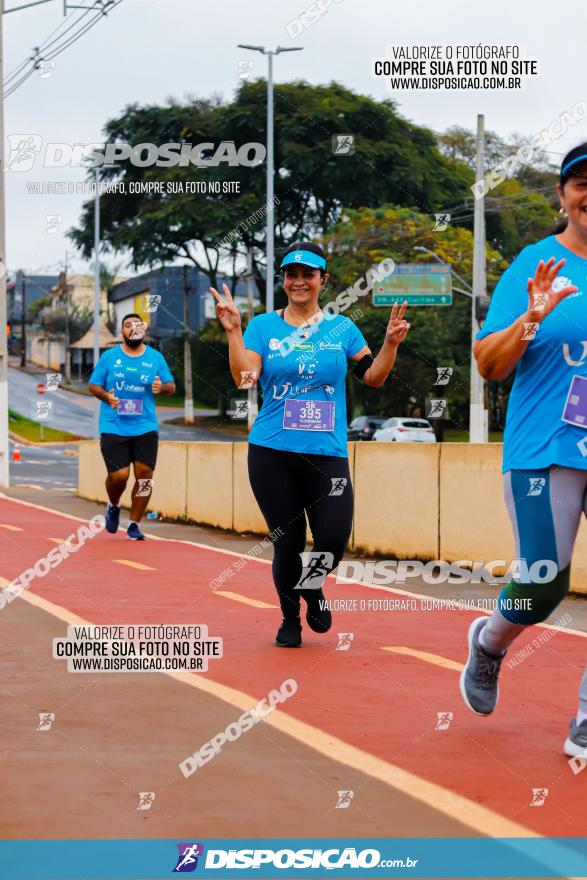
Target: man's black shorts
118, 452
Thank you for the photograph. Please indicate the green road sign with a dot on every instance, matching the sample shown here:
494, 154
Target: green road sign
418, 283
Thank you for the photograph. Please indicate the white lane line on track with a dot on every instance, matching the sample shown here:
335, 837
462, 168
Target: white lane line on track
331, 578
475, 816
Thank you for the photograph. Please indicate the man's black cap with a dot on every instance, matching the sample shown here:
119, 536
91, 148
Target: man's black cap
576, 155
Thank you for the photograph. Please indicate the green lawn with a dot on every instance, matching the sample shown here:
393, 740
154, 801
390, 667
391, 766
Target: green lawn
161, 400
176, 400
454, 435
30, 430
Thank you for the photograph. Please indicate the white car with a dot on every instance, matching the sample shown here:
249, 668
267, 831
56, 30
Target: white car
406, 431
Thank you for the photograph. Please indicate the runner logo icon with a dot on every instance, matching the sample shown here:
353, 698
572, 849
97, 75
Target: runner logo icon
187, 860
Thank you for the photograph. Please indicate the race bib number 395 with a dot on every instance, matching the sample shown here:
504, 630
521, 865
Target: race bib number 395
308, 415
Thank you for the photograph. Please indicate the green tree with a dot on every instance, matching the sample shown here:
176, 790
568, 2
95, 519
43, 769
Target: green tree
438, 336
394, 161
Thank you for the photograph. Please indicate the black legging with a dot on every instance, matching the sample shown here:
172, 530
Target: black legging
287, 484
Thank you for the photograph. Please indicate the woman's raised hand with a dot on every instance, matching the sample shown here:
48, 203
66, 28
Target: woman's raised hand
227, 312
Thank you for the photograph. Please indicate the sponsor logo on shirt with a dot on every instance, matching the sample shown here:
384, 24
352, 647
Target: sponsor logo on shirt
307, 369
274, 344
567, 354
330, 346
303, 346
560, 281
293, 390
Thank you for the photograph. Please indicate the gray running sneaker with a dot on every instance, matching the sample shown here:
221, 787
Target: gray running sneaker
576, 742
479, 686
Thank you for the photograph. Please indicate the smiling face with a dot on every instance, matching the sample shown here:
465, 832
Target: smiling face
303, 285
573, 198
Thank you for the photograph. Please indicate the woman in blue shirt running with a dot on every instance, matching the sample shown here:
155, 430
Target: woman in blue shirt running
537, 325
297, 457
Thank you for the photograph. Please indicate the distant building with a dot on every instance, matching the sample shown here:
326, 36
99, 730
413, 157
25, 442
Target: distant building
80, 293
34, 287
158, 296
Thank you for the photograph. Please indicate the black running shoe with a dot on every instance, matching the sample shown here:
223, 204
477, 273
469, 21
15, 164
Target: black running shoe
576, 742
289, 634
479, 686
134, 533
112, 518
318, 616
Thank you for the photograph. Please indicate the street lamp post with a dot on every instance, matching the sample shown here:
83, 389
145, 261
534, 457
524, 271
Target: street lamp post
476, 385
97, 293
270, 171
477, 411
4, 447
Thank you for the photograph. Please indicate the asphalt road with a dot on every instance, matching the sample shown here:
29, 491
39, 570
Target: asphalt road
74, 412
45, 467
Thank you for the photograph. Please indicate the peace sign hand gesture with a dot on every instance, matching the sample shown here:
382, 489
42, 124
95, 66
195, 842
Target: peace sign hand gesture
397, 328
227, 312
542, 298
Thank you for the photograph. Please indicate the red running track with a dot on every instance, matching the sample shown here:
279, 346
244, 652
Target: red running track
384, 703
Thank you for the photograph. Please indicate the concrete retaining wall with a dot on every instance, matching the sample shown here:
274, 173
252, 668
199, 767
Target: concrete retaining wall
412, 501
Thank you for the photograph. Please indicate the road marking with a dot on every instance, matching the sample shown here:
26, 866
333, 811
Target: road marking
436, 659
11, 528
134, 564
246, 600
337, 578
457, 807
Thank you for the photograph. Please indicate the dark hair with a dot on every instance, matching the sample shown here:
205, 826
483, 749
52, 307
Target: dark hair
130, 315
306, 246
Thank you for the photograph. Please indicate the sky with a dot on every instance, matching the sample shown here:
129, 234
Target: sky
148, 50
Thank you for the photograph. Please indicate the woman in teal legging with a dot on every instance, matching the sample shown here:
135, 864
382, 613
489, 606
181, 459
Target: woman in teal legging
537, 325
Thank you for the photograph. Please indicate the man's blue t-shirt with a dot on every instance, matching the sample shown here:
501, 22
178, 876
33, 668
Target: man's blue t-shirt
303, 381
535, 435
131, 377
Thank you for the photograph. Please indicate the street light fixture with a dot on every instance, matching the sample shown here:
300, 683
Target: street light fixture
469, 291
270, 272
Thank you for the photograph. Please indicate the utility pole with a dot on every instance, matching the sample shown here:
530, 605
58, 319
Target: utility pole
23, 318
187, 352
96, 294
477, 413
253, 406
67, 324
4, 448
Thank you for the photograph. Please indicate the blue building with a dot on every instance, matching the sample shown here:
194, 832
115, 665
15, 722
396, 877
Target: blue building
158, 297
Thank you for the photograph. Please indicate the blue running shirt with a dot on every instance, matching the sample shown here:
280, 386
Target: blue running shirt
131, 378
309, 369
535, 435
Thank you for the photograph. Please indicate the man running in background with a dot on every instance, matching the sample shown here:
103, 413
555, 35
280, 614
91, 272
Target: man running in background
126, 380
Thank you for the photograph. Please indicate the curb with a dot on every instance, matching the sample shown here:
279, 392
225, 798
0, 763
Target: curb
23, 441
